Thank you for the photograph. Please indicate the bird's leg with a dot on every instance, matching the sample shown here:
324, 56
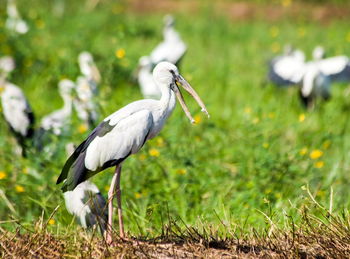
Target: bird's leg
119, 201
110, 206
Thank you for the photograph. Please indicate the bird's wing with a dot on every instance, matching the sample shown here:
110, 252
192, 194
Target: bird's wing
289, 69
333, 66
108, 145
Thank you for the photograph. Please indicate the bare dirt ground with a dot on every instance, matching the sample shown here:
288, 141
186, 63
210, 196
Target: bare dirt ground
244, 11
321, 237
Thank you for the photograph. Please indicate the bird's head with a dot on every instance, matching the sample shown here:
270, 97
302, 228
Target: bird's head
167, 74
65, 87
318, 53
169, 20
85, 58
145, 61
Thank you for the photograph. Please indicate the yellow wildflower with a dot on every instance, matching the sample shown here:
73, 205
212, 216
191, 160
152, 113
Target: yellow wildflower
319, 164
271, 115
181, 171
197, 138
274, 31
2, 175
315, 154
40, 24
107, 188
52, 222
326, 144
19, 188
275, 47
138, 195
248, 110
197, 119
303, 151
154, 152
286, 3
142, 157
120, 53
25, 170
302, 117
160, 141
265, 145
256, 120
82, 128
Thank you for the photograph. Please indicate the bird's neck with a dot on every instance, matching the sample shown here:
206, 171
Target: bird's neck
67, 103
167, 99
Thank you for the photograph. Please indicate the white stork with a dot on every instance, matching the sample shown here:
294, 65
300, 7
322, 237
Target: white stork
314, 84
14, 22
172, 48
17, 112
84, 104
89, 69
124, 133
57, 120
149, 88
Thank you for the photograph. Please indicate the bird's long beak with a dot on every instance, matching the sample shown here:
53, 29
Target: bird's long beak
192, 92
182, 102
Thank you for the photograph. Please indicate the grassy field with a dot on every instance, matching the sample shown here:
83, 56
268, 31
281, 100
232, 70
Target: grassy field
257, 163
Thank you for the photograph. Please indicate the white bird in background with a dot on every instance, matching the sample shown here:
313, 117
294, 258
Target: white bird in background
336, 68
58, 120
86, 203
124, 133
172, 48
84, 104
17, 112
149, 88
314, 84
89, 69
287, 69
14, 22
7, 65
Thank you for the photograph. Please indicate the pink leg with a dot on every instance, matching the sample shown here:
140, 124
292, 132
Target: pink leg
110, 205
119, 201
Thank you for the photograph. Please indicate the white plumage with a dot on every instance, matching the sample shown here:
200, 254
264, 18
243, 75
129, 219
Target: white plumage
57, 120
149, 88
88, 205
17, 112
336, 68
84, 104
123, 133
287, 69
89, 69
14, 22
7, 65
172, 48
314, 84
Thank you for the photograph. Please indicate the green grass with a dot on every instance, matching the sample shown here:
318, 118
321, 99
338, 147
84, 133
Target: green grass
242, 161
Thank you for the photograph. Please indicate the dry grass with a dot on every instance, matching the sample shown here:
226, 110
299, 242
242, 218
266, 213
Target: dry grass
325, 236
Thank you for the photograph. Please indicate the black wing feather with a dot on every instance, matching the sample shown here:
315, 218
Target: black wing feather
100, 130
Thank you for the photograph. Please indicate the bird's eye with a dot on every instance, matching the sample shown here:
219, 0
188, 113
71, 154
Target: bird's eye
172, 71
